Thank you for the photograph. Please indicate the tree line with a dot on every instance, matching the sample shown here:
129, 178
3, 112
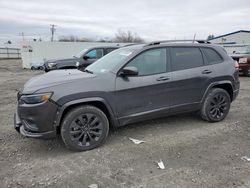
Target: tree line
120, 36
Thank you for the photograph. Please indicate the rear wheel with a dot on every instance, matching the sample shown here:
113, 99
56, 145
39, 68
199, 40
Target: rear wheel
84, 128
216, 105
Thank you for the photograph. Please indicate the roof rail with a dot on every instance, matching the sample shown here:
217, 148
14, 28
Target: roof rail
176, 41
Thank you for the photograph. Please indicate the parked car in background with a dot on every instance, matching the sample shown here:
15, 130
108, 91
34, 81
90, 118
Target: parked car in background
39, 66
128, 85
242, 56
81, 60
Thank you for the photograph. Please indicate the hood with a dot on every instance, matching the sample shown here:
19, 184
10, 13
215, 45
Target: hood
54, 78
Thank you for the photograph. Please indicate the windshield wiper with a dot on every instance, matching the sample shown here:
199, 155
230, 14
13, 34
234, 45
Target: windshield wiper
88, 71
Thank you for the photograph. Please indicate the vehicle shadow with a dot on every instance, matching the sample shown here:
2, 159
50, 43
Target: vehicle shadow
171, 125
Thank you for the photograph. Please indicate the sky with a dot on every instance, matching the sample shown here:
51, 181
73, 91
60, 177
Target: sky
101, 19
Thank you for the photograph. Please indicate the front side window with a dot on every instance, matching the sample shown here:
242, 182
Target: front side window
95, 53
185, 58
150, 62
212, 56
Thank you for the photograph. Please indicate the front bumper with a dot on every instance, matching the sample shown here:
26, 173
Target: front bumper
36, 121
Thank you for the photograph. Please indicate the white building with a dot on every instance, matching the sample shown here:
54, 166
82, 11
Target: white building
233, 41
237, 37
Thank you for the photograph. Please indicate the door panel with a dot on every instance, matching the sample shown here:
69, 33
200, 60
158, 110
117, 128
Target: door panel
146, 94
190, 78
141, 94
188, 86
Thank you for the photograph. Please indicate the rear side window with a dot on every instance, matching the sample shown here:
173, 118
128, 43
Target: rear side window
211, 56
186, 58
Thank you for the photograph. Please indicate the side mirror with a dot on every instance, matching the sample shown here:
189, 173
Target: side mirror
86, 57
129, 71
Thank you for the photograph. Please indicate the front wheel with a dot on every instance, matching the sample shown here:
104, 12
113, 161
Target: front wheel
84, 128
216, 105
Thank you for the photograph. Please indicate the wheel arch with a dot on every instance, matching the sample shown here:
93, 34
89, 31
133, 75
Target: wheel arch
96, 101
226, 85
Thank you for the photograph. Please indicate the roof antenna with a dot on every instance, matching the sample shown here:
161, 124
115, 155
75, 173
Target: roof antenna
194, 37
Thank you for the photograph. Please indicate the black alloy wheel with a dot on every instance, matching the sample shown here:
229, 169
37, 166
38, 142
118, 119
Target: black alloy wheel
84, 128
216, 105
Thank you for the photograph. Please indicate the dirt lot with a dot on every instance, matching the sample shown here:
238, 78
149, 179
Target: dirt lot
195, 153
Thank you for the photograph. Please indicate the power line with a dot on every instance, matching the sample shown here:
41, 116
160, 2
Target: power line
52, 29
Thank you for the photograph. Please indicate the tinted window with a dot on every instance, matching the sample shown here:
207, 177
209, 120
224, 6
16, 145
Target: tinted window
95, 53
150, 62
212, 56
110, 50
186, 58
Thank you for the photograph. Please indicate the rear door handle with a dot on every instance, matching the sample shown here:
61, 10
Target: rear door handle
206, 72
162, 78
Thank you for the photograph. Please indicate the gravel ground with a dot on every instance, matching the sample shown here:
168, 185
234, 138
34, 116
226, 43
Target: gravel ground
195, 153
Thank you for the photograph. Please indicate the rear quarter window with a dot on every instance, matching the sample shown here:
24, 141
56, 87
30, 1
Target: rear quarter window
185, 58
211, 56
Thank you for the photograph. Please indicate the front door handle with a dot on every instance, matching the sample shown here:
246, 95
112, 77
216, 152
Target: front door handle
206, 72
162, 78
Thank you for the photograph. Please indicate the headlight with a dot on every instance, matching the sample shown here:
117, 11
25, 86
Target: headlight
77, 64
51, 65
243, 60
37, 98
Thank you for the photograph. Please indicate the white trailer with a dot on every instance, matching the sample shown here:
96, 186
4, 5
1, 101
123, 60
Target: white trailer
38, 52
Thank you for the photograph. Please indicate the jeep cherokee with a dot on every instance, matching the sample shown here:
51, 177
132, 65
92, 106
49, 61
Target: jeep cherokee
128, 85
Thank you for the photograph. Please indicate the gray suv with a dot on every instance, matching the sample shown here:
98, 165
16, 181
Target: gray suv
128, 85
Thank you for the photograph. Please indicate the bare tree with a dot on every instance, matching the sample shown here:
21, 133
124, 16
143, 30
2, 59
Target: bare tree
72, 38
210, 37
127, 36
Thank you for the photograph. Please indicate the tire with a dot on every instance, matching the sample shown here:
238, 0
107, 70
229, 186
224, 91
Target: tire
247, 73
84, 128
41, 68
32, 68
216, 105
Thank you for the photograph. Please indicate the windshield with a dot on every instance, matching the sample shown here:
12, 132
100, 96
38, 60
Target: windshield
243, 50
110, 61
80, 53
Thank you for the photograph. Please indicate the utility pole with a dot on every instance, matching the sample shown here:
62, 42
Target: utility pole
22, 34
52, 29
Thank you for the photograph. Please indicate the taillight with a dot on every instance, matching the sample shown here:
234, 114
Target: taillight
236, 64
